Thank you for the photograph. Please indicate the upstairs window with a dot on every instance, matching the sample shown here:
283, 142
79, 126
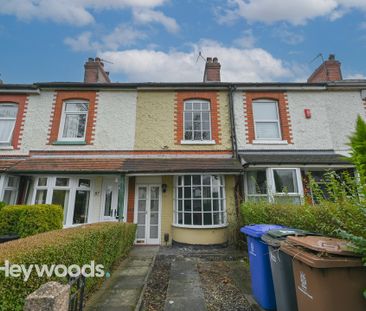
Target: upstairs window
74, 120
266, 120
197, 120
8, 116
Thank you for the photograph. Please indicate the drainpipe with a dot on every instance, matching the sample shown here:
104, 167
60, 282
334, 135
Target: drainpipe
121, 197
234, 144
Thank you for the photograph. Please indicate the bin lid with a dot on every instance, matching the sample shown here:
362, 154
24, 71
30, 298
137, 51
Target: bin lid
258, 230
323, 244
313, 260
274, 237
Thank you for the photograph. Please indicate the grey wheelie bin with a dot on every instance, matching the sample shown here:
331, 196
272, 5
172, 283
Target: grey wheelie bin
281, 267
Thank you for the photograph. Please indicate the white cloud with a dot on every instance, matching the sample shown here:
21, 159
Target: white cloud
121, 36
237, 64
76, 12
287, 36
246, 41
295, 12
147, 16
356, 76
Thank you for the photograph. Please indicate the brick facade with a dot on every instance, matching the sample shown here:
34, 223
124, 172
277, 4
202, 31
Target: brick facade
60, 97
212, 97
22, 102
285, 122
131, 199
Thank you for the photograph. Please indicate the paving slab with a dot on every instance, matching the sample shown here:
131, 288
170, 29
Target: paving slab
184, 289
123, 289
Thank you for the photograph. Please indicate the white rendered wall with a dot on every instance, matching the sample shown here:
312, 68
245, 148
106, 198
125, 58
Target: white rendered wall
333, 119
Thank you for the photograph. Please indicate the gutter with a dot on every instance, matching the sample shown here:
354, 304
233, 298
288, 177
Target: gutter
20, 91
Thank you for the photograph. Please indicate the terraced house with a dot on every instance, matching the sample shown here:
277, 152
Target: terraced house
175, 158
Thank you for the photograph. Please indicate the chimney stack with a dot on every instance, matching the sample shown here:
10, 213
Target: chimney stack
212, 70
330, 70
94, 71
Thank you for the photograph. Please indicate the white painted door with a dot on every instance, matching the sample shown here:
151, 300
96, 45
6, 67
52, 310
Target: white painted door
110, 199
147, 214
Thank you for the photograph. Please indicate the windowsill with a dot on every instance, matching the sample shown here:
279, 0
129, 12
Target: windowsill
270, 142
69, 142
6, 147
200, 227
198, 142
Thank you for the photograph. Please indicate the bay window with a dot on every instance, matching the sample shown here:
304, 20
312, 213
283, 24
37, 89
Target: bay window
200, 201
266, 120
280, 185
73, 120
8, 116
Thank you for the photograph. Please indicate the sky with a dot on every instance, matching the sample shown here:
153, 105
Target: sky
161, 40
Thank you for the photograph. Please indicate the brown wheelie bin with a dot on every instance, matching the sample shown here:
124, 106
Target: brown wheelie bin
328, 276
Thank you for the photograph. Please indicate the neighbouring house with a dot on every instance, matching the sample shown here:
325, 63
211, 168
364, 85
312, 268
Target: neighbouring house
174, 158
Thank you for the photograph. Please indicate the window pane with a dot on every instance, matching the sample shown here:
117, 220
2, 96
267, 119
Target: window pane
42, 181
7, 198
41, 197
285, 181
108, 202
197, 179
196, 106
77, 107
205, 126
187, 205
206, 117
206, 135
197, 136
197, 205
197, 116
8, 111
81, 207
74, 126
62, 182
197, 192
180, 218
188, 106
205, 106
265, 111
12, 181
206, 205
267, 130
187, 218
61, 197
207, 219
6, 130
257, 182
187, 192
187, 180
206, 180
188, 135
286, 199
197, 219
84, 183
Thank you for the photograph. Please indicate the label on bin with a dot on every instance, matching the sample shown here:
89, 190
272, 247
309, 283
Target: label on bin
273, 256
304, 285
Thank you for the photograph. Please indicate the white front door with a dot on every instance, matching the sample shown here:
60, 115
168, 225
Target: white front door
110, 199
147, 214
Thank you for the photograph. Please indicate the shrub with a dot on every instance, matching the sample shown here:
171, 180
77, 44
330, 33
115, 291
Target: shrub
26, 220
327, 218
105, 243
2, 204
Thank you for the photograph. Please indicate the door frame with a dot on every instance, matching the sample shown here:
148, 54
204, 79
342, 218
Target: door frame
108, 180
148, 185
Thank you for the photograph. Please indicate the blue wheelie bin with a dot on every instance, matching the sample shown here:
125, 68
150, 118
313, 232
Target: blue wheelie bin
260, 268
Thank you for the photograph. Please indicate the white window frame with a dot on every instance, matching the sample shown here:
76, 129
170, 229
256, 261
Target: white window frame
259, 101
246, 185
223, 199
63, 119
271, 186
72, 188
8, 141
4, 187
197, 141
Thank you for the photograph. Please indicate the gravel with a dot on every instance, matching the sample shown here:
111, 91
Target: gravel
220, 290
157, 286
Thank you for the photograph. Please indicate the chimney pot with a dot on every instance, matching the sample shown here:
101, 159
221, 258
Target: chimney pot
331, 57
94, 71
212, 70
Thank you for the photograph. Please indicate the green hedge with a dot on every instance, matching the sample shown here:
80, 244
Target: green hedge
2, 204
326, 218
26, 220
105, 243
